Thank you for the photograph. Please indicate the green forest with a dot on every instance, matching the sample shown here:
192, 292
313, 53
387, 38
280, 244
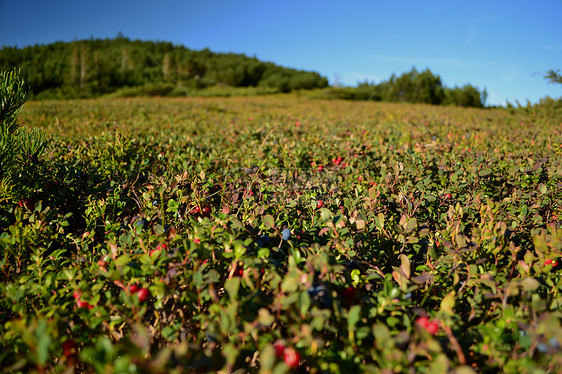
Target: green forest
90, 68
124, 67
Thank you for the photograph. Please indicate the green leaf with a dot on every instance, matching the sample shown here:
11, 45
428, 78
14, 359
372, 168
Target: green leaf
236, 224
268, 221
232, 286
529, 284
405, 265
353, 316
263, 252
239, 250
304, 302
360, 225
230, 352
379, 221
448, 303
265, 318
410, 225
485, 172
43, 342
464, 370
325, 214
267, 357
290, 283
122, 260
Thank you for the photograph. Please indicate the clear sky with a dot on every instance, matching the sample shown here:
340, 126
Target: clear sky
503, 46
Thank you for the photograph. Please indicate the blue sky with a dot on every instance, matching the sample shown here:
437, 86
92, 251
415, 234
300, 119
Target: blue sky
503, 46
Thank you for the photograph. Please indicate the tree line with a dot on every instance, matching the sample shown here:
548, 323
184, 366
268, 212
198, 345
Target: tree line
96, 67
89, 68
415, 87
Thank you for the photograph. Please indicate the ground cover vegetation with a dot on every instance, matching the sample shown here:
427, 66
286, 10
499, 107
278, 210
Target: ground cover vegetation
124, 68
280, 233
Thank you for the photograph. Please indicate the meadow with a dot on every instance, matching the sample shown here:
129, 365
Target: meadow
284, 233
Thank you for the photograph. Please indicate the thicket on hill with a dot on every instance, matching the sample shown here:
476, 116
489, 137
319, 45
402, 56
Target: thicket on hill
89, 68
415, 87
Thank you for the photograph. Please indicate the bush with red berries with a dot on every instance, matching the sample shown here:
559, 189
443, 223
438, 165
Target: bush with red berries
427, 250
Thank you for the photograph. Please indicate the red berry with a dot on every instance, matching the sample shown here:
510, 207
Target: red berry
432, 327
554, 263
196, 210
279, 349
239, 272
27, 203
320, 204
447, 196
144, 294
422, 321
292, 358
206, 211
349, 293
320, 168
83, 304
548, 261
69, 348
134, 288
197, 241
51, 185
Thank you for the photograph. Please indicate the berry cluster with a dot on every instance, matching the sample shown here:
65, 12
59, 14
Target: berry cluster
431, 327
77, 294
142, 293
289, 355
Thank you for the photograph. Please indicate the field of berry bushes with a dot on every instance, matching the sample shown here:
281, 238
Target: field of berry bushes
283, 234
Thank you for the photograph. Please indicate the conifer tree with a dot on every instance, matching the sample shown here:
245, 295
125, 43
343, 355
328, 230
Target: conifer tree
20, 148
553, 76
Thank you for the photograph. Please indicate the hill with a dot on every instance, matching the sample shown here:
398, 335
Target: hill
95, 67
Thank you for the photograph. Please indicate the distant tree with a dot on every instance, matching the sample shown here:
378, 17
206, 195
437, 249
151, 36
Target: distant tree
415, 87
467, 96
